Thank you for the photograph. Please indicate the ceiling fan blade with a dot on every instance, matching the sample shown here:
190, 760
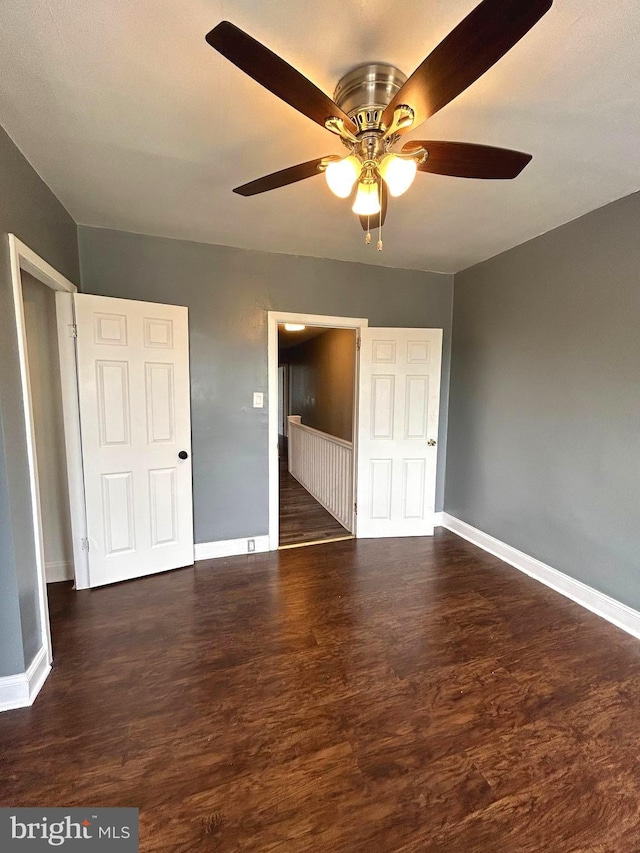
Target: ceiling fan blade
276, 75
370, 222
476, 44
285, 176
464, 160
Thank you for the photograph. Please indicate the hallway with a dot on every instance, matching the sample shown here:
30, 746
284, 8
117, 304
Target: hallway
302, 518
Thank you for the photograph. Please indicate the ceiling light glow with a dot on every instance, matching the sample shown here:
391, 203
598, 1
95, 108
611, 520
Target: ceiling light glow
398, 173
367, 201
341, 175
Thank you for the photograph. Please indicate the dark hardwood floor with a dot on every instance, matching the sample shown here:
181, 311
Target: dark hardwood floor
416, 696
302, 518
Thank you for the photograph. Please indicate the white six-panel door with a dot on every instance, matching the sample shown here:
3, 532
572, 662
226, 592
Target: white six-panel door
399, 400
133, 378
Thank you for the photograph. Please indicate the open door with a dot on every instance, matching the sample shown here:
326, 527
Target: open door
397, 431
133, 378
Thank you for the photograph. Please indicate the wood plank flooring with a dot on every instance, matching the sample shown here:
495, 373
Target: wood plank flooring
302, 518
394, 696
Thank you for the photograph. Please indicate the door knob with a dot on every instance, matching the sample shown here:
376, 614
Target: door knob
183, 454
432, 442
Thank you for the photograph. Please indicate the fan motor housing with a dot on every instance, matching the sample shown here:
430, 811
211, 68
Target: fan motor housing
365, 91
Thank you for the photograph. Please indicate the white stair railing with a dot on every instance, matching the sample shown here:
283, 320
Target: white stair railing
323, 464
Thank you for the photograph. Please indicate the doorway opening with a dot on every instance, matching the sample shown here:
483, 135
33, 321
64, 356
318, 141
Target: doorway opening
43, 305
316, 410
48, 426
313, 393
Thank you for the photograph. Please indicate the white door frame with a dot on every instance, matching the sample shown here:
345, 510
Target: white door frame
23, 258
273, 319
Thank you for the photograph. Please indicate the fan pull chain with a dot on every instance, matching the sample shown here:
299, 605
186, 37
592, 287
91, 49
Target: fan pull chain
367, 238
379, 245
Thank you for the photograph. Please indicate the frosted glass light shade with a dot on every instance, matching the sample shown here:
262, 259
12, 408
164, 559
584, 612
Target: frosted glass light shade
341, 175
367, 201
294, 327
398, 173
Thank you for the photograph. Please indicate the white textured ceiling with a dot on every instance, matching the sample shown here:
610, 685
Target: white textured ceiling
137, 124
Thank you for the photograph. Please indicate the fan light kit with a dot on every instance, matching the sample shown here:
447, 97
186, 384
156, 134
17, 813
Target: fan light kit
375, 104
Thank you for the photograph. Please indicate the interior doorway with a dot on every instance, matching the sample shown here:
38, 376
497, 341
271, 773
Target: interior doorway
316, 413
395, 435
48, 425
43, 306
296, 438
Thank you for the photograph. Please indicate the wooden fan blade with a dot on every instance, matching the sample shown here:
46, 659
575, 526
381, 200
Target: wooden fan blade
276, 75
476, 44
285, 176
464, 160
370, 222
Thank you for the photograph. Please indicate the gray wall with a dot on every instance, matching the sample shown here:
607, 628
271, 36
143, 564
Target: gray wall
322, 380
228, 292
544, 437
30, 210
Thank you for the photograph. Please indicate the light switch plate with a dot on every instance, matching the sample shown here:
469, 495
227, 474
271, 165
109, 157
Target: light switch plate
258, 399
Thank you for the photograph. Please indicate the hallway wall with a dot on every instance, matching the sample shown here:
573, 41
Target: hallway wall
322, 381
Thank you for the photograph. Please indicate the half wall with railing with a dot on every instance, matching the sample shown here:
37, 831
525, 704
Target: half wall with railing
323, 464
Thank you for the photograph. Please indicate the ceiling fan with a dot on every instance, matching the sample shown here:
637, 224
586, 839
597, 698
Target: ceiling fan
375, 104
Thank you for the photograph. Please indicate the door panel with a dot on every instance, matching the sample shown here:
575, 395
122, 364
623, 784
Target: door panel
133, 370
398, 417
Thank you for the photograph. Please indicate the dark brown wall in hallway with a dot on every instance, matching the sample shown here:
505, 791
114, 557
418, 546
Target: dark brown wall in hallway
321, 379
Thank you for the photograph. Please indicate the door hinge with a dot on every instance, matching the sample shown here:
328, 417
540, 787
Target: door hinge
85, 544
358, 342
73, 330
355, 509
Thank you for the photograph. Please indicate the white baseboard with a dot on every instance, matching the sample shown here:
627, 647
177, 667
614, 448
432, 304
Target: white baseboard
55, 572
20, 691
438, 519
597, 602
230, 547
